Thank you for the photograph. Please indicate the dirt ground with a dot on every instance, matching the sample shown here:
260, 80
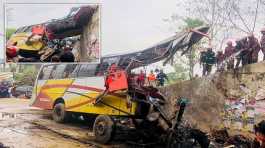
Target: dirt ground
28, 127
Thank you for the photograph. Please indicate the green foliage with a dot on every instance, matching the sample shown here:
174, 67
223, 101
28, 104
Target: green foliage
9, 32
193, 22
184, 65
27, 75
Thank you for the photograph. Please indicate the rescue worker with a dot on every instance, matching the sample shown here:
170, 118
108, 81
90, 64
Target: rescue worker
161, 76
203, 61
242, 57
229, 50
152, 78
253, 48
67, 55
210, 60
262, 42
219, 60
259, 141
141, 78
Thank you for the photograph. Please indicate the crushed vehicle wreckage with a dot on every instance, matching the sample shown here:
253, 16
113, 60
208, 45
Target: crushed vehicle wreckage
38, 43
117, 95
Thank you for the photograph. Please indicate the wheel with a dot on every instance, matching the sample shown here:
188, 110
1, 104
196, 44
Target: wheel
59, 114
103, 129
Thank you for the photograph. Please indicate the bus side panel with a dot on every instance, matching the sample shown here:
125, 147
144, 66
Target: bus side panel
113, 105
50, 91
85, 91
80, 90
38, 98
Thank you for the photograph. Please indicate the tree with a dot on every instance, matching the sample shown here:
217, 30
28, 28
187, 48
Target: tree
27, 75
184, 65
226, 18
9, 32
193, 54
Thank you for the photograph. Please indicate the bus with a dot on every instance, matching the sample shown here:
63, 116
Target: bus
110, 91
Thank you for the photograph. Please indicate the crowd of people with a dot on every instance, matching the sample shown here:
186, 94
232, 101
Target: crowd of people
245, 52
156, 78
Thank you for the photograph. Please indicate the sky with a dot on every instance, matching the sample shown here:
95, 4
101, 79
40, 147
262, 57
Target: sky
126, 25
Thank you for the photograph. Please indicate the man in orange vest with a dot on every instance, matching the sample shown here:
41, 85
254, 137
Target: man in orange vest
152, 78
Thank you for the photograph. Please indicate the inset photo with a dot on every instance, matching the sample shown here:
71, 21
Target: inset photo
51, 33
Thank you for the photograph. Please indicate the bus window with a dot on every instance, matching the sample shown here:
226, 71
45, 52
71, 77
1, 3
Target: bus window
46, 72
102, 68
87, 70
75, 71
70, 71
58, 72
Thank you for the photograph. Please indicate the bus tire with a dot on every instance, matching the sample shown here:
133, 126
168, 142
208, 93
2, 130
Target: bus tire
59, 113
103, 129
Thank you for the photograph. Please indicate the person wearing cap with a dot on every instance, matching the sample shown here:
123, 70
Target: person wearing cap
229, 50
262, 42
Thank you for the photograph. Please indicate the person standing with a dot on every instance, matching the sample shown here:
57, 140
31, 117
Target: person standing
203, 61
210, 60
242, 57
141, 78
229, 50
152, 78
219, 60
253, 48
161, 76
262, 42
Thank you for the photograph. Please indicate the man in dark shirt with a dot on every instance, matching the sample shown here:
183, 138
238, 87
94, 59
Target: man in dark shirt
210, 60
161, 76
229, 50
253, 48
203, 61
241, 46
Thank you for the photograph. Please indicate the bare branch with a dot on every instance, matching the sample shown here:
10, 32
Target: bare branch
241, 18
256, 13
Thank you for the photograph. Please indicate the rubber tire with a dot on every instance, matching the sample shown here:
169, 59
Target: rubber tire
109, 128
59, 114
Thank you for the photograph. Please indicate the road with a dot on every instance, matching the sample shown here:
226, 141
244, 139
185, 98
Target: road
29, 127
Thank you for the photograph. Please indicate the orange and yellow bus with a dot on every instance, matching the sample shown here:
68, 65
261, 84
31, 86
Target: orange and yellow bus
73, 89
